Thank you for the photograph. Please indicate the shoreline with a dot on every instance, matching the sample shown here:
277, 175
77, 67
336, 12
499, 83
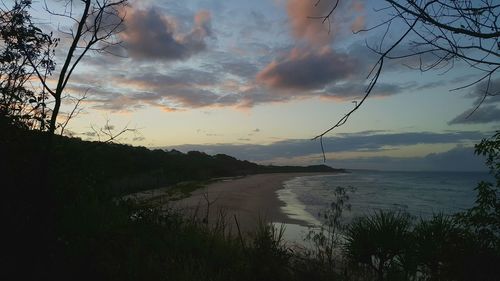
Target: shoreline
250, 199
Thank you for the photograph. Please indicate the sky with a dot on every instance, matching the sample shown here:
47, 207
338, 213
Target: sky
258, 79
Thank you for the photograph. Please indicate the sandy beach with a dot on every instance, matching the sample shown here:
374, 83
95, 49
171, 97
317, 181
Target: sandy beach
250, 199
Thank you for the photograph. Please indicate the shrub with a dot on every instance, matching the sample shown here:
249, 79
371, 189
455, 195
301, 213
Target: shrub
440, 247
380, 241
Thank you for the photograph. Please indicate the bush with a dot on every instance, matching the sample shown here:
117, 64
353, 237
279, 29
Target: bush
380, 241
440, 245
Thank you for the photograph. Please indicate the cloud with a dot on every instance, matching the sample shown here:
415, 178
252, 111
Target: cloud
240, 68
488, 110
362, 141
484, 114
358, 24
491, 90
356, 89
304, 28
306, 152
150, 34
168, 99
257, 22
323, 73
307, 70
458, 158
259, 95
307, 25
157, 80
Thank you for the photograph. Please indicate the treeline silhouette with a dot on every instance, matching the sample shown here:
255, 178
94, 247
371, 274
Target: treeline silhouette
64, 217
121, 169
81, 230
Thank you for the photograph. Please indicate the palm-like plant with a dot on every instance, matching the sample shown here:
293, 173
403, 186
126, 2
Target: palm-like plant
380, 241
439, 243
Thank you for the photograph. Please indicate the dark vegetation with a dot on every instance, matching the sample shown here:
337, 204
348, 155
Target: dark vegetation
62, 218
124, 169
94, 236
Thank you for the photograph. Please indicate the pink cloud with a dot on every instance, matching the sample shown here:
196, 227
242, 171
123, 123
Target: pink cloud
303, 27
358, 24
304, 69
307, 25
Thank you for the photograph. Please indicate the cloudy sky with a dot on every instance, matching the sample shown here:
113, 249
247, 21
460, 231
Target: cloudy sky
258, 79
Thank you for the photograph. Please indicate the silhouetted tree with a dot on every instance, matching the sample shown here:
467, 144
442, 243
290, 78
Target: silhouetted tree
96, 22
23, 48
485, 215
27, 52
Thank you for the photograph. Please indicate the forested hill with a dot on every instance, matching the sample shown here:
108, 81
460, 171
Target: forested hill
121, 169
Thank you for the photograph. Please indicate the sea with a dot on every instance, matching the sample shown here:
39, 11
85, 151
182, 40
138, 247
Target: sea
421, 194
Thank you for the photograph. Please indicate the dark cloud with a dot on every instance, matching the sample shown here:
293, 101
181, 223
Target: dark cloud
365, 133
166, 98
484, 114
457, 159
364, 52
240, 68
356, 89
150, 34
309, 70
190, 97
369, 141
180, 89
258, 95
179, 77
325, 73
491, 90
431, 85
488, 110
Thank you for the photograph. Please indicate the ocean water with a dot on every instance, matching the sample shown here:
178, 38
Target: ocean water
421, 194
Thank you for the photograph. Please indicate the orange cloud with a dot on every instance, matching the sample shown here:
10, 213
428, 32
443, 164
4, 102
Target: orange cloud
202, 17
358, 24
308, 26
305, 28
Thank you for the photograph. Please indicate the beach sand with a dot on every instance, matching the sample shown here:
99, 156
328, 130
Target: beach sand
250, 199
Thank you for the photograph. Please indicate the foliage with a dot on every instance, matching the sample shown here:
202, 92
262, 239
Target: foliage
483, 219
99, 238
23, 47
271, 256
440, 247
327, 240
460, 247
379, 241
26, 58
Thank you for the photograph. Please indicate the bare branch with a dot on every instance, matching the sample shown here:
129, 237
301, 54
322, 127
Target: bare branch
74, 112
378, 66
443, 31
